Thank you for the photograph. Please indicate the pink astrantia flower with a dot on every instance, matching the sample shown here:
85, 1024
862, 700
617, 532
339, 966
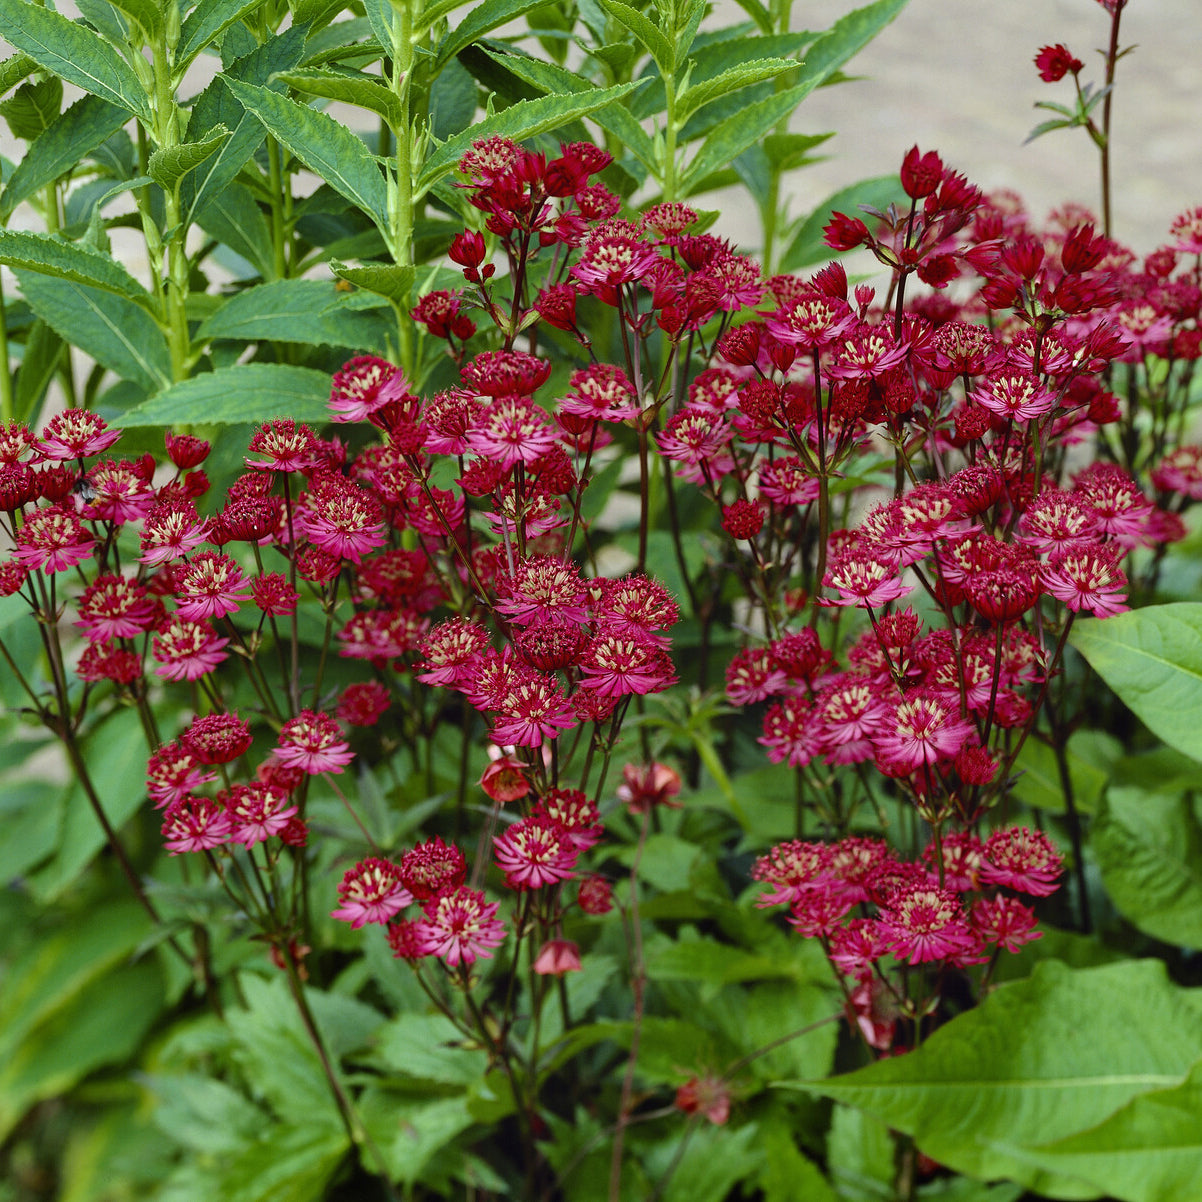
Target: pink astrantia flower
195, 824
1021, 859
210, 585
511, 429
372, 891
1005, 921
114, 607
75, 434
313, 742
556, 957
120, 492
1087, 576
217, 738
341, 518
186, 650
792, 869
433, 867
257, 811
282, 446
531, 710
860, 579
53, 539
923, 922
460, 926
363, 386
172, 529
922, 729
535, 852
1017, 395
172, 772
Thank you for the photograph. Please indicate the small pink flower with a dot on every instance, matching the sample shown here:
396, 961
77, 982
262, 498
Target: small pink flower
706, 1095
186, 650
114, 607
210, 585
432, 868
217, 738
195, 824
53, 539
1021, 859
460, 926
923, 923
172, 772
313, 742
257, 811
556, 957
372, 891
1004, 921
75, 434
535, 852
646, 786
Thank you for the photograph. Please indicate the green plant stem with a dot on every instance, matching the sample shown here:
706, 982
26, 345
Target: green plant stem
7, 406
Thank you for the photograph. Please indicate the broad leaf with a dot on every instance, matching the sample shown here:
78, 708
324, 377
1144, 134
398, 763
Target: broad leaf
75, 54
350, 88
307, 311
659, 46
1149, 849
390, 280
202, 25
1087, 755
1038, 1060
237, 395
115, 331
729, 81
324, 146
807, 246
484, 17
232, 216
1152, 658
83, 127
169, 165
33, 108
51, 256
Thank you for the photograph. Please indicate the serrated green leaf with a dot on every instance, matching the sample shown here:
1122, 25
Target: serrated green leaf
324, 146
484, 17
429, 1047
758, 13
1149, 850
50, 255
1152, 658
169, 165
391, 280
203, 1114
39, 360
1039, 1060
649, 34
33, 108
145, 12
232, 216
87, 124
116, 332
350, 88
306, 311
236, 395
1148, 1151
205, 23
693, 98
846, 38
454, 98
522, 120
14, 69
75, 54
807, 246
1046, 127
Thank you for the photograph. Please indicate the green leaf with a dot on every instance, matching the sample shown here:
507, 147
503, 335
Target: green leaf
846, 38
519, 121
1152, 658
755, 71
391, 280
807, 246
14, 69
232, 216
324, 146
33, 108
146, 13
1038, 1060
169, 165
1149, 850
75, 54
237, 395
1148, 1151
350, 88
202, 1114
430, 1048
51, 256
87, 124
454, 98
657, 43
32, 814
116, 332
483, 18
714, 1161
307, 311
204, 23
705, 960
1086, 758
786, 1174
859, 1155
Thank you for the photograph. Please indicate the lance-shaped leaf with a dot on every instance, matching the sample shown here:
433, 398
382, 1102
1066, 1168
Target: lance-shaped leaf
391, 280
83, 127
14, 69
1152, 658
232, 216
33, 107
518, 121
52, 256
75, 54
324, 146
696, 95
846, 38
202, 25
349, 87
116, 332
237, 395
483, 18
146, 13
1039, 1060
658, 45
170, 164
308, 311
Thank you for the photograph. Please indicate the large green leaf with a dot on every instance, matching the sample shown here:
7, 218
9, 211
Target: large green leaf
522, 120
846, 38
1149, 848
391, 280
807, 247
307, 311
237, 395
484, 17
168, 166
1149, 1151
742, 76
1087, 755
116, 332
324, 146
231, 215
202, 25
1152, 658
1037, 1061
51, 256
349, 87
83, 127
658, 45
75, 54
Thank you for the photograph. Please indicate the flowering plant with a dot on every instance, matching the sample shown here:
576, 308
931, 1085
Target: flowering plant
395, 708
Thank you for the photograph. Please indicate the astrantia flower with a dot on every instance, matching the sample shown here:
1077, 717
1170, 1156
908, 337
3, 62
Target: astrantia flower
791, 733
707, 1095
272, 594
340, 518
282, 446
75, 434
752, 675
210, 585
195, 824
616, 665
505, 779
856, 947
556, 957
257, 811
922, 729
1055, 62
114, 607
786, 481
372, 891
108, 661
186, 650
449, 650
119, 493
574, 812
432, 868
1004, 921
53, 539
791, 869
1087, 576
506, 373
461, 926
860, 579
381, 635
217, 738
186, 451
920, 923
542, 586
171, 530
1016, 395
595, 895
363, 703
532, 709
601, 392
363, 386
1021, 859
313, 742
511, 429
172, 772
647, 786
535, 852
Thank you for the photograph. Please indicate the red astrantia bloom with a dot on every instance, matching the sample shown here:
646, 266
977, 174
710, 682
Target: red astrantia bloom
574, 813
792, 869
542, 586
340, 518
107, 661
864, 580
790, 732
506, 373
505, 779
742, 519
53, 539
210, 585
646, 786
460, 926
595, 895
1021, 859
272, 594
921, 174
114, 607
1055, 62
511, 429
1004, 921
217, 738
432, 868
601, 392
556, 957
313, 742
614, 665
195, 824
256, 812
363, 703
707, 1095
920, 923
119, 493
534, 852
922, 729
531, 710
172, 529
282, 446
75, 434
363, 386
186, 451
172, 772
752, 675
372, 891
186, 650
1087, 576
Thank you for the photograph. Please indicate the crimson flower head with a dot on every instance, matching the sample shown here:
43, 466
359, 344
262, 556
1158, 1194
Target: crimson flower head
556, 957
595, 895
705, 1095
1055, 62
461, 926
216, 738
505, 779
1021, 859
53, 539
75, 434
313, 742
432, 868
195, 824
372, 891
845, 233
921, 173
363, 703
185, 451
646, 786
